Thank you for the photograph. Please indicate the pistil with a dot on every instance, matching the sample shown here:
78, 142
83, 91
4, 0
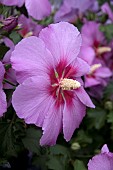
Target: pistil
101, 50
69, 84
94, 67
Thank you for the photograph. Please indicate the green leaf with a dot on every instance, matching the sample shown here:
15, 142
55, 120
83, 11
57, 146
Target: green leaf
55, 163
7, 140
108, 90
107, 30
15, 37
40, 161
59, 150
31, 140
110, 117
83, 137
58, 158
3, 50
79, 165
97, 117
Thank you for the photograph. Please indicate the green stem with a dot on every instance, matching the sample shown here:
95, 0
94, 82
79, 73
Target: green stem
9, 82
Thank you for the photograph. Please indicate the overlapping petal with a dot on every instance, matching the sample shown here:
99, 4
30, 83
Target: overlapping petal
31, 100
63, 41
37, 59
102, 161
83, 97
52, 125
81, 67
73, 114
103, 72
38, 9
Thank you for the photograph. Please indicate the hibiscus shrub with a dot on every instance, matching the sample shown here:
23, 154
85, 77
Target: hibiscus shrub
56, 84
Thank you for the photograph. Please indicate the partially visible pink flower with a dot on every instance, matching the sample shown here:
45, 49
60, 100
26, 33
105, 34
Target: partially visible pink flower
51, 93
97, 76
70, 10
107, 10
10, 73
12, 2
3, 103
28, 27
102, 161
93, 38
38, 9
94, 44
92, 51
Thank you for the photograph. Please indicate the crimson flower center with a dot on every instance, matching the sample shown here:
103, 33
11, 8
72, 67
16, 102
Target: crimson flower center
63, 82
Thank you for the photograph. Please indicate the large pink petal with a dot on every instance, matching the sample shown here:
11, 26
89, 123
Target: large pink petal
63, 40
103, 72
3, 103
101, 162
52, 125
31, 100
31, 58
87, 53
83, 97
38, 9
90, 81
73, 114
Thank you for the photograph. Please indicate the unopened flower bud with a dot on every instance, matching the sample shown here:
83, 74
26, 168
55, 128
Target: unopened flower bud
75, 146
9, 23
109, 105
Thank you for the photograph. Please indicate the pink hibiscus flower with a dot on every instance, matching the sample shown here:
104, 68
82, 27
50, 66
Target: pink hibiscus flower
102, 161
3, 104
51, 93
71, 10
94, 43
28, 26
93, 50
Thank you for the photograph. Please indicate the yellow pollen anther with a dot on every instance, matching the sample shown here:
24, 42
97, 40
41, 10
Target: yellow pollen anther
28, 34
101, 50
94, 67
69, 84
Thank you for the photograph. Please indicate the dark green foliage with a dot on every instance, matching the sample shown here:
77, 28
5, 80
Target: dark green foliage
108, 31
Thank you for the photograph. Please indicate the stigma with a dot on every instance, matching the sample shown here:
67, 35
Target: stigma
69, 84
101, 50
94, 67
